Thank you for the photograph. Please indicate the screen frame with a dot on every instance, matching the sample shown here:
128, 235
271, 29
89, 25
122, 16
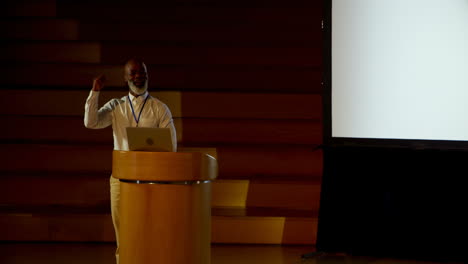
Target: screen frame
329, 140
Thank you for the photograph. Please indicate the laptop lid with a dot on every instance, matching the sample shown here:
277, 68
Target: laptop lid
149, 139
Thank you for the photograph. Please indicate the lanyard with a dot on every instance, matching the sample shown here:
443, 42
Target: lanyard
141, 110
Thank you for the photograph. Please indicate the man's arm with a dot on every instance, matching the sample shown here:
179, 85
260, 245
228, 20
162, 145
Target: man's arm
94, 118
165, 121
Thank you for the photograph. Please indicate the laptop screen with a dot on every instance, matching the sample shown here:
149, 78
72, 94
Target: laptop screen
149, 139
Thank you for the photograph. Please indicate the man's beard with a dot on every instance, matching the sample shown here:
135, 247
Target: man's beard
137, 90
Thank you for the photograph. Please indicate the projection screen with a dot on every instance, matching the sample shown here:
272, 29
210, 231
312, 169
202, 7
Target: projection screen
399, 70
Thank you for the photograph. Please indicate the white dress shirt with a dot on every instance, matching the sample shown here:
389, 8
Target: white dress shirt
118, 113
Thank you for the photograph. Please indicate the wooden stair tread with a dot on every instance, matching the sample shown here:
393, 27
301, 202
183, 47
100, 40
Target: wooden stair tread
37, 28
215, 55
233, 161
59, 209
195, 131
281, 33
156, 53
30, 8
93, 190
260, 179
54, 209
190, 12
221, 105
262, 212
176, 77
98, 227
204, 3
51, 51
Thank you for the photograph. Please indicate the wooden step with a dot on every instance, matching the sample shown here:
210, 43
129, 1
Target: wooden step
52, 129
47, 51
154, 53
201, 3
250, 161
30, 158
39, 29
55, 189
69, 103
183, 77
55, 224
278, 34
59, 130
298, 195
68, 224
40, 189
282, 34
190, 131
30, 8
252, 105
288, 106
235, 162
203, 55
254, 131
264, 230
189, 12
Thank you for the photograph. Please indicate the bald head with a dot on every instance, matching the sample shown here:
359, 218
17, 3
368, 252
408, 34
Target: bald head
136, 76
134, 61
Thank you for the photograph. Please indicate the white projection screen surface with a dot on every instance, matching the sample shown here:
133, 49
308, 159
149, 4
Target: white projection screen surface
399, 69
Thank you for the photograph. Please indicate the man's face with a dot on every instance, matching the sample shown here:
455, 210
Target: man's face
136, 73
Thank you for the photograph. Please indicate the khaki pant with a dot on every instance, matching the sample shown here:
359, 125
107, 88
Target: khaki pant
115, 210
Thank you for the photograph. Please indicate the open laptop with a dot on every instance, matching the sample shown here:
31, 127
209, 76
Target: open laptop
149, 139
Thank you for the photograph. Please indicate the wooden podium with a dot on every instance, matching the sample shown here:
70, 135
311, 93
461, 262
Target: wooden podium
165, 206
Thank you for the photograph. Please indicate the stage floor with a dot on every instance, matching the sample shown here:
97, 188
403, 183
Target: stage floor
102, 253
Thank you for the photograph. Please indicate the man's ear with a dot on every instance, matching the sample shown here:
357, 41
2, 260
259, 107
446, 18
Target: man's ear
125, 74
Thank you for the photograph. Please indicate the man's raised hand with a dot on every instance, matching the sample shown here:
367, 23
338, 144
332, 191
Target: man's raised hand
98, 82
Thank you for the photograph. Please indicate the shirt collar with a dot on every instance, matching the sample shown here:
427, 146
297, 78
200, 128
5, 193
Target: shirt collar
139, 98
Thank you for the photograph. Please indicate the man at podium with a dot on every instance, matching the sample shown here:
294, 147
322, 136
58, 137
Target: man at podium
137, 109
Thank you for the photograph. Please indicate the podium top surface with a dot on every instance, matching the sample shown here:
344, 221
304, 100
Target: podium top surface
163, 166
